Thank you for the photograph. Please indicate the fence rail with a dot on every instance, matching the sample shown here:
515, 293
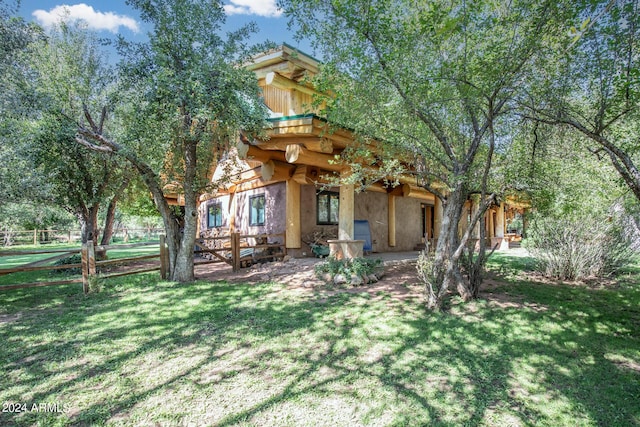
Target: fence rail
43, 237
233, 249
88, 264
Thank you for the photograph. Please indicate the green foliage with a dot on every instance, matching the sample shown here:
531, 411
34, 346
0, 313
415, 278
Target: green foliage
95, 284
437, 84
578, 246
359, 267
72, 259
427, 274
590, 84
28, 216
184, 90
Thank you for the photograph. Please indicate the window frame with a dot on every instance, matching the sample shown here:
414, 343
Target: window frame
255, 222
214, 205
329, 195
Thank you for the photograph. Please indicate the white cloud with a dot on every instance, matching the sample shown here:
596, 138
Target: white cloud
266, 8
95, 20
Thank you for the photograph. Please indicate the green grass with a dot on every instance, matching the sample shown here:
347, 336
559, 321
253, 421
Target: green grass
145, 352
8, 261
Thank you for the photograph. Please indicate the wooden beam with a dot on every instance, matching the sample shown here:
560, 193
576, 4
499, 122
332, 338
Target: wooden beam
377, 187
306, 175
392, 220
276, 80
242, 149
346, 213
499, 225
292, 153
312, 143
319, 145
301, 156
417, 193
429, 222
282, 172
438, 213
293, 227
267, 170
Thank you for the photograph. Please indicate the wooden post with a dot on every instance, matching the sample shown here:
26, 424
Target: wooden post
91, 257
491, 224
500, 221
69, 240
429, 223
235, 251
473, 208
164, 264
292, 234
35, 237
438, 212
392, 220
84, 254
232, 213
346, 213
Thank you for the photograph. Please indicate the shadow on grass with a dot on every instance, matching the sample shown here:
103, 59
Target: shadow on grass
387, 362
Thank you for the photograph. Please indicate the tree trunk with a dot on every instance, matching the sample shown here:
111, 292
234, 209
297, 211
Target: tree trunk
88, 219
183, 271
452, 248
107, 232
110, 219
446, 264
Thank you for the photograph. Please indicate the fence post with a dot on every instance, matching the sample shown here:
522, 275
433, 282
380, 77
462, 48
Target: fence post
91, 252
35, 236
164, 258
84, 254
235, 251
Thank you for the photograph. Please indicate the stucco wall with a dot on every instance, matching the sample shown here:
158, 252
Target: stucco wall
374, 207
408, 223
275, 211
308, 218
274, 215
371, 206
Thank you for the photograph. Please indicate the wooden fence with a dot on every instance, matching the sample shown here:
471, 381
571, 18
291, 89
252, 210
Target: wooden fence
88, 264
35, 237
233, 249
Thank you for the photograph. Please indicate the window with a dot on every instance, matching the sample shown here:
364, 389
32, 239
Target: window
328, 205
214, 215
256, 210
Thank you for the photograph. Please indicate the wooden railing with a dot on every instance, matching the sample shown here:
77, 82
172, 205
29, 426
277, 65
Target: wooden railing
235, 250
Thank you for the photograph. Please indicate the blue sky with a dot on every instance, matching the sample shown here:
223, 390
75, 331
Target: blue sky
110, 17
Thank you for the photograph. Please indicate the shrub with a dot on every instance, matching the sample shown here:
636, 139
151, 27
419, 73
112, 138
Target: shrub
363, 268
72, 259
576, 247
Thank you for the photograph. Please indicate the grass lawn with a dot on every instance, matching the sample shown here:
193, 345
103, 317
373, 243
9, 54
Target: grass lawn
144, 352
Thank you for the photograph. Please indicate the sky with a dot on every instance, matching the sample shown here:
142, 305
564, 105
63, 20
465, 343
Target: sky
111, 17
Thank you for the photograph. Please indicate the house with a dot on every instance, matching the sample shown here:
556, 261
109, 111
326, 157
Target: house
278, 186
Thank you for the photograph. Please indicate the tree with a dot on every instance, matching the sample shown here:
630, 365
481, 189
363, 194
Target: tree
15, 37
435, 82
66, 73
593, 85
183, 101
